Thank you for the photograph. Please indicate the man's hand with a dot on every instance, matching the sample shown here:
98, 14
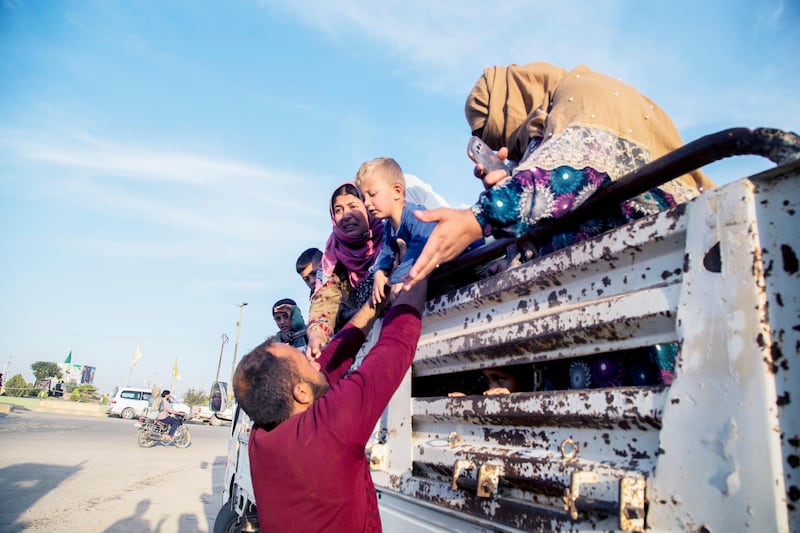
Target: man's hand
415, 295
394, 291
455, 230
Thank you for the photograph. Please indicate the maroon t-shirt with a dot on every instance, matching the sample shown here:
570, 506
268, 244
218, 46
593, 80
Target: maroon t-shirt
310, 473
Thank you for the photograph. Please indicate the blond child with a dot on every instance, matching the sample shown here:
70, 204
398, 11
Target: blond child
383, 184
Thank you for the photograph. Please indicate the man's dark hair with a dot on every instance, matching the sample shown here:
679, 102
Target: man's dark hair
263, 386
309, 256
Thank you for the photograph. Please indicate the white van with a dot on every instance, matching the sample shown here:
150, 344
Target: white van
128, 402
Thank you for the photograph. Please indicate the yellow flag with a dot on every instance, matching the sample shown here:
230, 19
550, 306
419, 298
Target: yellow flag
175, 373
137, 354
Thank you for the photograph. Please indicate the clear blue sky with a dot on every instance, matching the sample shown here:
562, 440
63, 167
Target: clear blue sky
162, 162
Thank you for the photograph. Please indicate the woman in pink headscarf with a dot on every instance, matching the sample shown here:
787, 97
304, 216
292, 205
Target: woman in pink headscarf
344, 280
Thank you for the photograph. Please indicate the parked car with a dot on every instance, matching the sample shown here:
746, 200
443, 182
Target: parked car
202, 413
128, 402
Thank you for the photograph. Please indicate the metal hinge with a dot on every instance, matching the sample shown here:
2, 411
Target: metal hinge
488, 476
631, 497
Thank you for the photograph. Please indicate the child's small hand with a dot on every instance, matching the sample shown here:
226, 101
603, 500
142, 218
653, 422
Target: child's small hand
379, 287
396, 289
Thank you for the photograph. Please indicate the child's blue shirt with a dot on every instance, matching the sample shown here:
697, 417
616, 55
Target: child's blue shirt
413, 232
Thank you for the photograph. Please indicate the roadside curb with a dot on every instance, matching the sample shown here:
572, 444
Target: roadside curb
57, 407
69, 412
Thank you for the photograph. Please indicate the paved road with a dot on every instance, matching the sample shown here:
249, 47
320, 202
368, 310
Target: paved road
72, 474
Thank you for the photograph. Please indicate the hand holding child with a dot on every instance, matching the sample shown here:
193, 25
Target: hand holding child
379, 287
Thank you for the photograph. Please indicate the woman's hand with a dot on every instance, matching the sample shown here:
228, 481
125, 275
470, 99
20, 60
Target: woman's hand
494, 177
455, 230
317, 340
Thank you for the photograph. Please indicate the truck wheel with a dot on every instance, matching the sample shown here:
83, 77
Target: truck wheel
228, 521
127, 413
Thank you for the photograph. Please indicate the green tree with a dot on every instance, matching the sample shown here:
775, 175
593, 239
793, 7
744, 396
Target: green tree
46, 369
17, 386
194, 397
84, 393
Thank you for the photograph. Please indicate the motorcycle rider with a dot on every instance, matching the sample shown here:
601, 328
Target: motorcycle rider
165, 414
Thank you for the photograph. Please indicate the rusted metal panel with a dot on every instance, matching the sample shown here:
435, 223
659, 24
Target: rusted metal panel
721, 436
529, 433
778, 208
617, 291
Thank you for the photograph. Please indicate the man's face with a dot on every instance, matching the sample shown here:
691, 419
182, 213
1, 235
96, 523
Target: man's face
307, 367
309, 275
283, 318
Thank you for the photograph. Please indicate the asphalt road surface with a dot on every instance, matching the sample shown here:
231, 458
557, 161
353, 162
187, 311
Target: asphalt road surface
74, 474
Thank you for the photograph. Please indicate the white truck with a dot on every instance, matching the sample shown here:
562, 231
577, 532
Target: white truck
716, 448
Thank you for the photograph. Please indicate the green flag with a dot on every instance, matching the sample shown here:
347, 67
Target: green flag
68, 360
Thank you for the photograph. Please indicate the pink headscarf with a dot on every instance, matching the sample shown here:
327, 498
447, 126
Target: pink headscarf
356, 254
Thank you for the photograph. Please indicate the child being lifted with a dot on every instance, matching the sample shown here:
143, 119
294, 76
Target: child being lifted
383, 184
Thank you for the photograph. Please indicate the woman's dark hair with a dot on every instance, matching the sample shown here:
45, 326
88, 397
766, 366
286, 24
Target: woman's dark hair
346, 188
164, 394
263, 386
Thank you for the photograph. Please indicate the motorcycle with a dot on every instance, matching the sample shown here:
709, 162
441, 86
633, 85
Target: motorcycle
152, 431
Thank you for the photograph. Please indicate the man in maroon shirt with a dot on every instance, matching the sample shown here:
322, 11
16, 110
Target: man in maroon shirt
312, 423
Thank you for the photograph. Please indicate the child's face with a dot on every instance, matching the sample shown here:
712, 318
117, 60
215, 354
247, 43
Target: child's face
350, 214
382, 199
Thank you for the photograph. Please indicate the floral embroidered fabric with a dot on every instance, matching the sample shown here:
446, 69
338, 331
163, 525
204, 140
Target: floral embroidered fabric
557, 176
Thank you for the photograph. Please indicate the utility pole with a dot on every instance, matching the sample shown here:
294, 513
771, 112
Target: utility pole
235, 349
219, 365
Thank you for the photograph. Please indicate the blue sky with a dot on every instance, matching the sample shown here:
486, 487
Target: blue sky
162, 162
